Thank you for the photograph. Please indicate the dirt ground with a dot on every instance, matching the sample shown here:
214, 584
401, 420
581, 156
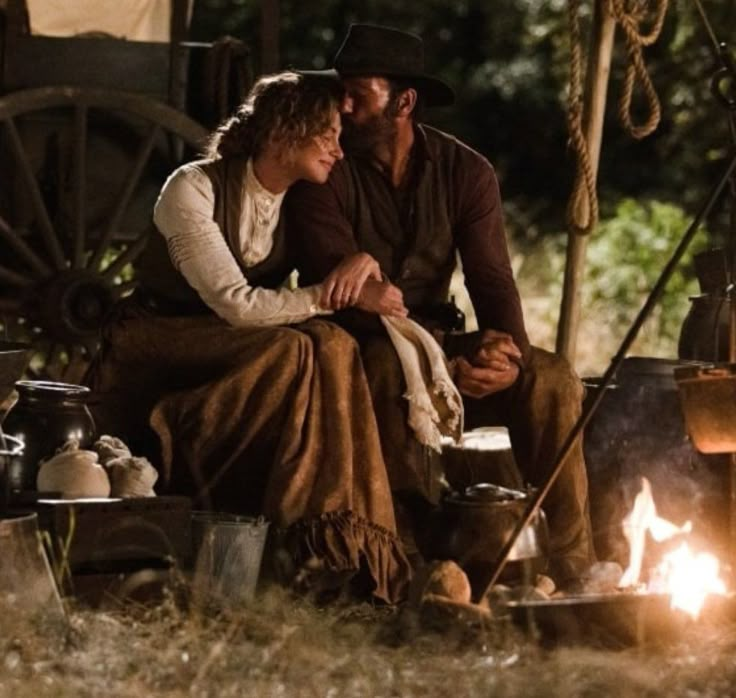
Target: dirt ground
283, 646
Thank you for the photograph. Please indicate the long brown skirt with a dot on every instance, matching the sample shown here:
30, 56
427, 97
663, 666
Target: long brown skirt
277, 421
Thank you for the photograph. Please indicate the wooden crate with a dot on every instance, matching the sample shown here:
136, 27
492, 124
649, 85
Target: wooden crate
106, 542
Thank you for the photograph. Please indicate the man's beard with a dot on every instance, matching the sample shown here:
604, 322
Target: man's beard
366, 137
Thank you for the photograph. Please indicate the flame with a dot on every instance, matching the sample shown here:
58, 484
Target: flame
687, 576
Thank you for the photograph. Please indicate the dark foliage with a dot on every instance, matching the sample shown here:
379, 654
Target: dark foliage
508, 61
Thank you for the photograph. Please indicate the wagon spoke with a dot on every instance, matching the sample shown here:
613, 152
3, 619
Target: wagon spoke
79, 153
39, 207
176, 147
8, 276
55, 289
16, 242
133, 178
126, 257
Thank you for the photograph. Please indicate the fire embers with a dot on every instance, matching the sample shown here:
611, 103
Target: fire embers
685, 575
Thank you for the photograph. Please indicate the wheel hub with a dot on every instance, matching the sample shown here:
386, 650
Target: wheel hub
72, 306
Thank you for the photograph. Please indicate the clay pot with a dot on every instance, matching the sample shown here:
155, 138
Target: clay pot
46, 416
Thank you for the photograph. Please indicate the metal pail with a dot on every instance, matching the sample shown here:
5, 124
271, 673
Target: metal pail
228, 550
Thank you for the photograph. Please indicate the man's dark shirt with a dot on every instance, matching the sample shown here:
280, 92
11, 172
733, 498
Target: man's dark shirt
452, 204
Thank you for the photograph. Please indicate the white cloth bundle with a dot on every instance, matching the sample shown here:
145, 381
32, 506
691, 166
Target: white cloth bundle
130, 476
74, 473
107, 471
435, 404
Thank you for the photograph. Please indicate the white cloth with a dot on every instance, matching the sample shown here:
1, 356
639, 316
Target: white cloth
435, 404
198, 249
136, 20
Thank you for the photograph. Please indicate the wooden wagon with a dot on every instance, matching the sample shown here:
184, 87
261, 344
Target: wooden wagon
90, 126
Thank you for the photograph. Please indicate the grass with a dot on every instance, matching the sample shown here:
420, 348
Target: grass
285, 646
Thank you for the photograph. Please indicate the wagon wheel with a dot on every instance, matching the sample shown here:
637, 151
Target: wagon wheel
80, 170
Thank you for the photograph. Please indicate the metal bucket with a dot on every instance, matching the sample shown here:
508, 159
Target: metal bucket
228, 550
28, 591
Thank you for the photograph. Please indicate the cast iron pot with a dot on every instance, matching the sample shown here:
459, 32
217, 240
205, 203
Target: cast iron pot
471, 528
639, 431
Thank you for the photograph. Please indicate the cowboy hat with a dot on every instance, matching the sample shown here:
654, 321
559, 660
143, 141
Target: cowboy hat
370, 49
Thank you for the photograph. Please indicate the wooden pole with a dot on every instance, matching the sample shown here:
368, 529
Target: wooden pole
270, 36
594, 108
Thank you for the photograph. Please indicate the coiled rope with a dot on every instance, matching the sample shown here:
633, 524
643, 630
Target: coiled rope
630, 15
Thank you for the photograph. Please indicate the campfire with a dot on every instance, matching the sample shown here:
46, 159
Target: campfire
670, 583
683, 574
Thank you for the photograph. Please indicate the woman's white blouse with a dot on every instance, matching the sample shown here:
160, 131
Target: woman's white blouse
198, 249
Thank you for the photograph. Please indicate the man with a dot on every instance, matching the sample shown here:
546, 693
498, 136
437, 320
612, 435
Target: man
413, 197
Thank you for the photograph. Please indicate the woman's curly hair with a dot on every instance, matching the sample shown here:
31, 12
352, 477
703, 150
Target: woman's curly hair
286, 108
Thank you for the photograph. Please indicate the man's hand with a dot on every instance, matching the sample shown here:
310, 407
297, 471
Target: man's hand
492, 368
496, 350
343, 285
382, 298
475, 381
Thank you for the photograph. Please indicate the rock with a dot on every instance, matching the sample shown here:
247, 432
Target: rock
447, 579
545, 585
602, 577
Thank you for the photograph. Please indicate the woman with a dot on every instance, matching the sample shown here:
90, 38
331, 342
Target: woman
257, 404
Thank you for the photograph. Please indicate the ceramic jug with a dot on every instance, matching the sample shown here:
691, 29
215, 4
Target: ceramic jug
46, 415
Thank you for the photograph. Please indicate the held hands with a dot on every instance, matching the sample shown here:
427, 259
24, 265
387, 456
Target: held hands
343, 285
382, 298
492, 368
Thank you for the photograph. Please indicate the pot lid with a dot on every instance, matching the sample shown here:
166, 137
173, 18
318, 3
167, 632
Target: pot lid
483, 492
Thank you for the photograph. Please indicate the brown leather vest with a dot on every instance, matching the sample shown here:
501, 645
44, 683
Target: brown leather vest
160, 281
